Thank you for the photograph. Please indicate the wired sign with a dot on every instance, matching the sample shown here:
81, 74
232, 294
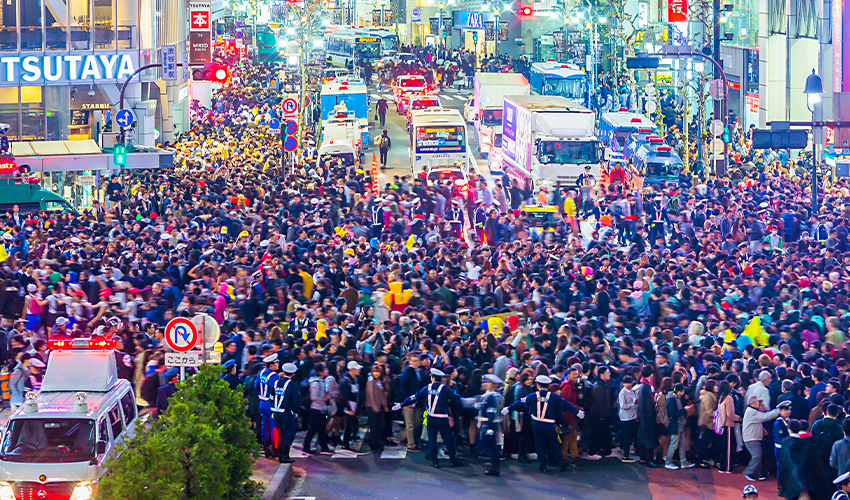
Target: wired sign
181, 334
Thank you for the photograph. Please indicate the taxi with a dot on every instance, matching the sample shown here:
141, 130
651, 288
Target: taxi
57, 444
540, 218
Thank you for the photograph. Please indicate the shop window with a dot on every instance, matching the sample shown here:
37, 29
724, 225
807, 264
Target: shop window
8, 27
55, 26
9, 111
57, 112
127, 33
80, 24
32, 114
104, 22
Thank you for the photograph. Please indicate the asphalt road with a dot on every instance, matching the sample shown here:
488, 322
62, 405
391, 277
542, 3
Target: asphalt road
369, 477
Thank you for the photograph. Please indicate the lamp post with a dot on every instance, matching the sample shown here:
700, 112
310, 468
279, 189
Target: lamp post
814, 91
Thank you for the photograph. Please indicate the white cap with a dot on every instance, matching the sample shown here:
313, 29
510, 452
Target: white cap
289, 367
543, 380
354, 365
437, 373
271, 358
32, 288
37, 363
76, 240
843, 478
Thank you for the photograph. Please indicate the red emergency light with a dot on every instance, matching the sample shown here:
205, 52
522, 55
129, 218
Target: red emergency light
664, 149
644, 130
623, 110
59, 344
653, 139
636, 120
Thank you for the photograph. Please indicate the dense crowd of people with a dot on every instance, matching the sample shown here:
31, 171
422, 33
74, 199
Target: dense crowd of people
708, 329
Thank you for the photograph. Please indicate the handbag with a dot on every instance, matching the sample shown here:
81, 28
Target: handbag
376, 116
718, 426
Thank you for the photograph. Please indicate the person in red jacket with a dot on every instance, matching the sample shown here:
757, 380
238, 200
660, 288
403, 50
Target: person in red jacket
569, 391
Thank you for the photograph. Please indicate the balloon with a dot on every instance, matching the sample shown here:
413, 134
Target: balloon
513, 322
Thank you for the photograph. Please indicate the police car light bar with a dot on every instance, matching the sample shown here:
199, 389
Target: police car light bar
82, 343
664, 149
644, 130
653, 138
636, 120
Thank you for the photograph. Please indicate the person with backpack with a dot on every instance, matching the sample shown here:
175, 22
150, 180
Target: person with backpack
384, 143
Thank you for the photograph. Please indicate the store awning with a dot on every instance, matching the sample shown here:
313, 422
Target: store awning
55, 148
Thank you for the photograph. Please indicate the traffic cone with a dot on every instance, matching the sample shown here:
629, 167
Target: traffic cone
374, 172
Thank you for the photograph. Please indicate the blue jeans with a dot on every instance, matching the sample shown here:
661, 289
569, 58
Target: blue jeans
676, 441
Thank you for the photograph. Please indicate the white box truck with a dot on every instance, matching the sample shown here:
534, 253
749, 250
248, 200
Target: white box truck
490, 90
547, 141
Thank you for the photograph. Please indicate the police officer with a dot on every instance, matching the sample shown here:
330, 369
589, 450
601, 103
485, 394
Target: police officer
286, 402
750, 492
299, 324
230, 376
349, 389
165, 392
438, 398
780, 427
544, 408
479, 218
264, 384
417, 218
489, 420
377, 218
842, 482
455, 217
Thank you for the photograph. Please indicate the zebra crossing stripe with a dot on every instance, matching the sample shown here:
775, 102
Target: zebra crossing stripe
394, 454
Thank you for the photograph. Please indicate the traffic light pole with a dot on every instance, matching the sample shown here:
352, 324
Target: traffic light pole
127, 81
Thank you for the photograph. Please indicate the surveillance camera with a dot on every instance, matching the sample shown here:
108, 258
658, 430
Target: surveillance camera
91, 92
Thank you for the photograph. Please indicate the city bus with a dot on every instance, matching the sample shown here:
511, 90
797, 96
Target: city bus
558, 79
616, 128
347, 48
438, 140
389, 40
267, 44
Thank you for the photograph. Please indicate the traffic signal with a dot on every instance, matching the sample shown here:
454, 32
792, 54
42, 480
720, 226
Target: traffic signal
526, 11
119, 154
211, 72
725, 136
474, 37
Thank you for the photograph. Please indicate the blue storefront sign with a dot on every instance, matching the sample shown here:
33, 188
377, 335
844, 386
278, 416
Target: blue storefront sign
471, 20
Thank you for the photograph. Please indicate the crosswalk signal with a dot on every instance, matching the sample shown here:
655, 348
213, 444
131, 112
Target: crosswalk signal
211, 72
474, 37
526, 11
119, 154
725, 135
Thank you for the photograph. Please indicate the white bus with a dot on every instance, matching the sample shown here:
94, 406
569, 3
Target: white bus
438, 139
350, 48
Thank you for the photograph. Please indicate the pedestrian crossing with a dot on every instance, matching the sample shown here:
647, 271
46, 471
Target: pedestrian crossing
391, 453
447, 95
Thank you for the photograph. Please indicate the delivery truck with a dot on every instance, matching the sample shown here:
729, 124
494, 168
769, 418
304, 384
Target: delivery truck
548, 141
490, 89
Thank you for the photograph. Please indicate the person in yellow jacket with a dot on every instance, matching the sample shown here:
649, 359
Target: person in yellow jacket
570, 211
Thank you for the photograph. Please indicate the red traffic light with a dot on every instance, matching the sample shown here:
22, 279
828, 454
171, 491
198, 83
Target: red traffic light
526, 11
220, 74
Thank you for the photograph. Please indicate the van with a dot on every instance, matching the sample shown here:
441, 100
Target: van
56, 445
19, 187
343, 149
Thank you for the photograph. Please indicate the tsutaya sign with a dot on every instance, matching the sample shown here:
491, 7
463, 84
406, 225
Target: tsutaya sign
40, 68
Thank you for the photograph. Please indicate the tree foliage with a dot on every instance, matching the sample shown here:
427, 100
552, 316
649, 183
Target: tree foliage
201, 448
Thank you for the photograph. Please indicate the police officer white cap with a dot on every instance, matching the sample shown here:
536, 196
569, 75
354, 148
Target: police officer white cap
415, 201
353, 365
271, 358
843, 478
493, 378
455, 202
543, 380
437, 373
289, 367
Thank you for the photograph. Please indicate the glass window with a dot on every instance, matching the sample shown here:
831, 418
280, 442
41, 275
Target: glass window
31, 38
104, 25
55, 26
8, 27
57, 112
127, 33
128, 406
115, 421
103, 433
9, 111
48, 440
80, 24
32, 114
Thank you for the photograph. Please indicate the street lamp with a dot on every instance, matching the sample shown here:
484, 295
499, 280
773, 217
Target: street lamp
814, 91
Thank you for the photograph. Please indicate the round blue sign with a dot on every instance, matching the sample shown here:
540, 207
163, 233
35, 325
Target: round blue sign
274, 123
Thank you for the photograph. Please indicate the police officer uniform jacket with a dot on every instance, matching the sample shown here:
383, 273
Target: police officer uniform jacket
544, 407
437, 398
285, 396
265, 382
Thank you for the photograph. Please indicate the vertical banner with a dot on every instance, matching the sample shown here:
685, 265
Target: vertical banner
677, 11
435, 26
199, 16
503, 31
336, 15
489, 31
560, 40
200, 48
388, 17
376, 17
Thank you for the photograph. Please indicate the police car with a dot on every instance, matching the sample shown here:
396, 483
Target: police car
424, 101
406, 86
55, 445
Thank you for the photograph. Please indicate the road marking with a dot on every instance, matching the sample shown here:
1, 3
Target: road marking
344, 454
394, 454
